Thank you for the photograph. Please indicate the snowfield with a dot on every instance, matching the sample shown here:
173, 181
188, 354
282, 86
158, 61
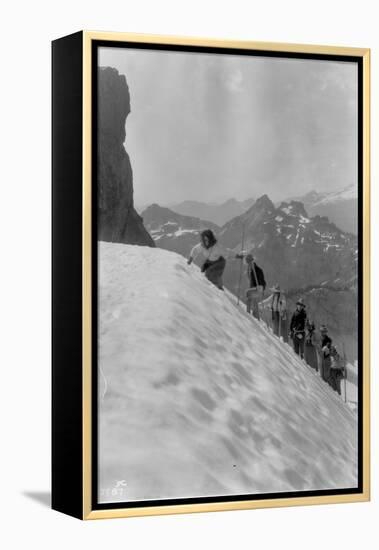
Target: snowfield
196, 398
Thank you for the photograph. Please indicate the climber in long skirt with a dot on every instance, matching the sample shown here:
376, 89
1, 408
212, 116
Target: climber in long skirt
277, 306
297, 328
214, 256
310, 352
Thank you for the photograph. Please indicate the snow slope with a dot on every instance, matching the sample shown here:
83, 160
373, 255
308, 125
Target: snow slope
198, 399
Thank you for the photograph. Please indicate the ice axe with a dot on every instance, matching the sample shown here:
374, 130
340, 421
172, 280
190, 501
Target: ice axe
240, 276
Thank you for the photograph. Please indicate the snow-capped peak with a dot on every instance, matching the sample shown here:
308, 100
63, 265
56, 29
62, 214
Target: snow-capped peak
347, 193
293, 208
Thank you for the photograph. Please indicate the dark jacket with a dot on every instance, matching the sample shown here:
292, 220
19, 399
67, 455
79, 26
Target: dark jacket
325, 340
252, 270
310, 328
298, 321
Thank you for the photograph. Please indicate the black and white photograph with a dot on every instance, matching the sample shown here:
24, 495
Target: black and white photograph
190, 239
228, 279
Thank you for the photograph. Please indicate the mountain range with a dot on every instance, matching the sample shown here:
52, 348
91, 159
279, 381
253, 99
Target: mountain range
173, 231
296, 250
341, 206
307, 256
216, 213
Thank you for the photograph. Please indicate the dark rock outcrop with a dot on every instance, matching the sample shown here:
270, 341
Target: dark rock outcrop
117, 219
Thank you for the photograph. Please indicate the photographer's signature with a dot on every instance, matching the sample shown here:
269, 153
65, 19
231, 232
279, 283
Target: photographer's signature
118, 490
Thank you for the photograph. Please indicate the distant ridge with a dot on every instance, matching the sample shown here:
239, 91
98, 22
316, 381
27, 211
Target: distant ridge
216, 213
173, 231
341, 206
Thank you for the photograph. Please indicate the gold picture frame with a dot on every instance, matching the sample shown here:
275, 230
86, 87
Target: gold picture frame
78, 49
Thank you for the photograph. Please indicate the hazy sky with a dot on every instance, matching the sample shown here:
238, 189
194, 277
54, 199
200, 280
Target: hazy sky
211, 127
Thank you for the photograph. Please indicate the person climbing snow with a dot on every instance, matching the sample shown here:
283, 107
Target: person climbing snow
326, 360
337, 370
214, 255
321, 341
283, 326
276, 303
257, 284
297, 328
310, 352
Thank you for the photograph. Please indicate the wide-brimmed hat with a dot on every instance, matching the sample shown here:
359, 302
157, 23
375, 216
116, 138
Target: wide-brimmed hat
275, 288
300, 302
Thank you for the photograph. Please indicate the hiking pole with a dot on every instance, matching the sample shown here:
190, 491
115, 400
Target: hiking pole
240, 277
344, 368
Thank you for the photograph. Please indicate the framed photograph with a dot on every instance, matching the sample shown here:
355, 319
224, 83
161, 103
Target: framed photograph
210, 275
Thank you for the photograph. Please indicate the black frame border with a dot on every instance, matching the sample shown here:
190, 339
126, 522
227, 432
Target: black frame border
67, 254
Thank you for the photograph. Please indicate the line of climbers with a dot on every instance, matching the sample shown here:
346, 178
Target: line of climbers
314, 347
316, 350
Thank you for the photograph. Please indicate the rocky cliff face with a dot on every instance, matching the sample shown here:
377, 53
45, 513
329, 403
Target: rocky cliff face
117, 219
